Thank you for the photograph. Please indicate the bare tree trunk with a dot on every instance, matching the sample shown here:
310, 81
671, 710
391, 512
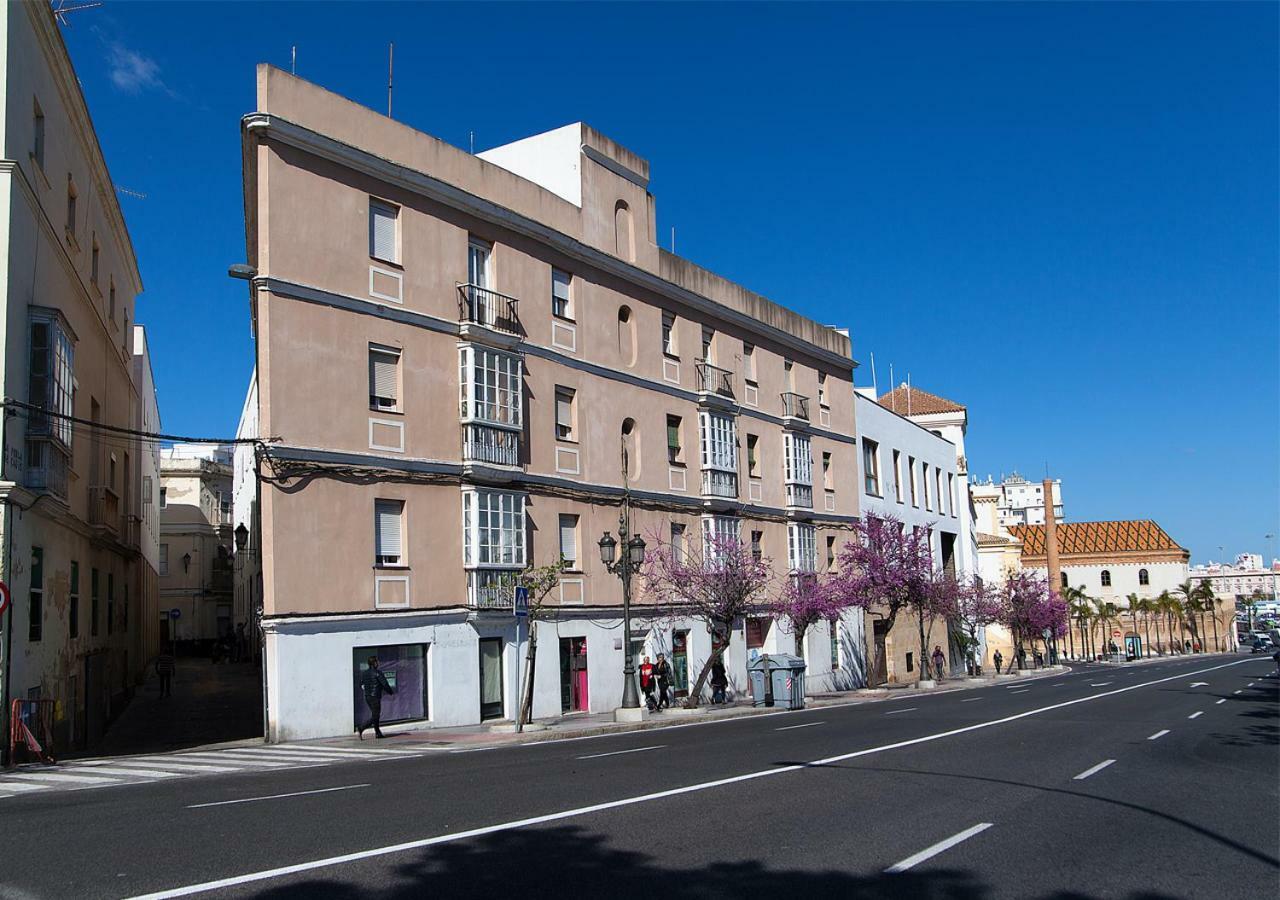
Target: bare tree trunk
1217, 644
531, 656
695, 692
1146, 622
925, 674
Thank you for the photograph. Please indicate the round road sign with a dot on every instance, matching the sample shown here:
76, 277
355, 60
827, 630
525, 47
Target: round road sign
4, 596
175, 613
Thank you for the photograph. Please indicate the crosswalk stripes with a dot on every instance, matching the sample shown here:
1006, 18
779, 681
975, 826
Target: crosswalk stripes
82, 774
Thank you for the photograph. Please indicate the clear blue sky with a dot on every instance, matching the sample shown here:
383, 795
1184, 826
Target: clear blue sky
1062, 216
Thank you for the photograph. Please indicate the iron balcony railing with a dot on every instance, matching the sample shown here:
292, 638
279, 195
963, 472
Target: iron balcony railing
104, 508
795, 406
481, 306
719, 483
491, 588
487, 444
800, 495
714, 380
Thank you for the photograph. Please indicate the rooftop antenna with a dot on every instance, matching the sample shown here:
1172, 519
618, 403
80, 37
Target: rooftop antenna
892, 387
391, 64
473, 141
293, 60
673, 239
61, 8
908, 395
129, 193
874, 389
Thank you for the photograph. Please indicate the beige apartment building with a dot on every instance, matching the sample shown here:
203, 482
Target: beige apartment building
71, 477
196, 545
461, 361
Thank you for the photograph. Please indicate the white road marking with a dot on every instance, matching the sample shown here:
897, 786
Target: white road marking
620, 752
135, 773
1199, 684
1252, 683
218, 759
894, 712
346, 787
971, 700
930, 852
1101, 684
1239, 692
805, 725
284, 756
19, 787
1093, 770
1196, 715
1159, 734
1023, 691
62, 777
421, 843
175, 766
360, 751
1223, 700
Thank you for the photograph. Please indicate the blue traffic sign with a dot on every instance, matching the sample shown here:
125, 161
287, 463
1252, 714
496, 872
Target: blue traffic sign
175, 613
521, 607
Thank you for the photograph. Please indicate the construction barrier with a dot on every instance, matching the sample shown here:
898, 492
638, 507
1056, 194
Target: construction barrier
31, 731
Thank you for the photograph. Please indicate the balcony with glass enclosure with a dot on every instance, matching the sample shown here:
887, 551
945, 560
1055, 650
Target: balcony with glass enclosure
490, 406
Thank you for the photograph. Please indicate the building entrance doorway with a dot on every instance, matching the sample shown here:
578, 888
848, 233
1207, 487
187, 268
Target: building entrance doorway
491, 678
680, 663
880, 674
573, 675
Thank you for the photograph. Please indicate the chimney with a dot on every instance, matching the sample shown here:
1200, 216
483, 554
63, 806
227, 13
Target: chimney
1051, 539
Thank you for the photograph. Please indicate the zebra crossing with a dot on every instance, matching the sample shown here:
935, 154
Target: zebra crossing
81, 774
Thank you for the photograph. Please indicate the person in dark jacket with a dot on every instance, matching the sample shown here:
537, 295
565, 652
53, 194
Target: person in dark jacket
719, 682
998, 659
165, 666
374, 684
662, 672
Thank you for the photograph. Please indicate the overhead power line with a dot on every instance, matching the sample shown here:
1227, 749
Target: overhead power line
133, 432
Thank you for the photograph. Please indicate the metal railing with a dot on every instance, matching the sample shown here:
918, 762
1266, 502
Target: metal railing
714, 380
481, 306
719, 483
130, 530
487, 444
795, 406
491, 589
46, 467
800, 495
104, 508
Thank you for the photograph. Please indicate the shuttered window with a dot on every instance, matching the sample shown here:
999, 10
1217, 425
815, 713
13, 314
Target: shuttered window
384, 378
382, 231
560, 305
569, 540
388, 522
564, 414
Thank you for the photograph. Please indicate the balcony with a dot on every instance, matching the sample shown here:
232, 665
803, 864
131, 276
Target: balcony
104, 508
800, 495
795, 406
719, 483
713, 380
489, 309
47, 467
483, 443
492, 589
130, 531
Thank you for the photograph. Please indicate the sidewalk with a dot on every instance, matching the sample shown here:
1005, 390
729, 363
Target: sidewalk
580, 725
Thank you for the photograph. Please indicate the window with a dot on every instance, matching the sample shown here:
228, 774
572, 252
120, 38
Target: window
822, 389
93, 602
753, 456
801, 547
35, 612
383, 228
911, 476
37, 134
831, 553
798, 461
756, 538
719, 442
95, 251
560, 302
1144, 578
164, 552
73, 604
164, 497
675, 449
669, 334
564, 414
569, 540
493, 529
111, 602
937, 483
720, 529
490, 385
1106, 578
49, 387
897, 474
1064, 579
677, 542
71, 207
833, 627
406, 669
388, 526
478, 254
951, 492
827, 482
708, 344
757, 631
384, 378
871, 466
749, 362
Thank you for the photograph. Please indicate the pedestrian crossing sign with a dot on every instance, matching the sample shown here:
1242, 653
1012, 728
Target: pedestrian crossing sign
521, 605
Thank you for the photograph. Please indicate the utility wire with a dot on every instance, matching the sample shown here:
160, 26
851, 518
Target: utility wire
134, 432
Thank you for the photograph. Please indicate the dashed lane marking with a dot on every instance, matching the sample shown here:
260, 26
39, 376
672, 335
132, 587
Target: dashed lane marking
1093, 770
940, 847
1159, 734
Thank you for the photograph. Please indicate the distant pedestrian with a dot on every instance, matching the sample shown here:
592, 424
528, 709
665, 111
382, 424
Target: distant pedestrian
166, 665
1022, 658
939, 661
662, 672
1038, 657
997, 659
719, 682
646, 682
374, 684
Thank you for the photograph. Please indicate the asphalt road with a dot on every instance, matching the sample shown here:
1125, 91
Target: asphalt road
1140, 782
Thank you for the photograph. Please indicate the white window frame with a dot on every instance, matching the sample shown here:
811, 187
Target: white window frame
390, 356
566, 408
871, 467
725, 527
491, 386
802, 547
562, 304
719, 441
383, 558
490, 544
797, 458
897, 474
385, 210
568, 527
669, 346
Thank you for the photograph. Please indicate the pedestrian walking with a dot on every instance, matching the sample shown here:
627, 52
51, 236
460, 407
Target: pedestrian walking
646, 682
998, 658
166, 665
374, 684
719, 682
939, 660
662, 672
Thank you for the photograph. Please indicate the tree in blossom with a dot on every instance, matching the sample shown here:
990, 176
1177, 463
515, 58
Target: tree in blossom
887, 568
976, 605
1028, 607
719, 582
806, 599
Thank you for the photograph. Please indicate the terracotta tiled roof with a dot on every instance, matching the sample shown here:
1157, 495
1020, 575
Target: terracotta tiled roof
912, 401
1130, 536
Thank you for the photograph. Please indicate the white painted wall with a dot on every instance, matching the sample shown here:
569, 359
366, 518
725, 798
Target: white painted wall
1164, 576
550, 159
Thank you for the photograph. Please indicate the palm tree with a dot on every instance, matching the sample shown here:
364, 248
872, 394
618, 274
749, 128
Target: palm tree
1083, 612
1106, 613
1145, 607
1073, 597
1172, 612
1133, 614
1190, 594
1209, 600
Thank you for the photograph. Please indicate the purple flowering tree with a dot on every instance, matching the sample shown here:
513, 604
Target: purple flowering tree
887, 568
976, 605
1028, 607
718, 582
806, 599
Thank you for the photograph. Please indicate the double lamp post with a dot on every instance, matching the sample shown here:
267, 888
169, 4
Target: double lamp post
624, 567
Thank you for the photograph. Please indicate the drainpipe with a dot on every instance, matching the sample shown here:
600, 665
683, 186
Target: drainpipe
5, 573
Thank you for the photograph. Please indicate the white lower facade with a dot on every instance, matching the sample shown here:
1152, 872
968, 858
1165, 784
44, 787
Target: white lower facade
443, 663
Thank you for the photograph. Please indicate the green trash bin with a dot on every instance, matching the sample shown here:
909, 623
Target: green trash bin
777, 679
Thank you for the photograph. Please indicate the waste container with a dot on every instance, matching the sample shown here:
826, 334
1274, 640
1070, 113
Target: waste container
777, 680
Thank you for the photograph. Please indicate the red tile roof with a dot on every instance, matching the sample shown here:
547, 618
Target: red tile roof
906, 400
1105, 538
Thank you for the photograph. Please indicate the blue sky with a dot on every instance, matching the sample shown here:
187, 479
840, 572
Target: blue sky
1063, 216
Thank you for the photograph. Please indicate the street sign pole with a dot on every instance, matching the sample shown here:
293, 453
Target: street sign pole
520, 609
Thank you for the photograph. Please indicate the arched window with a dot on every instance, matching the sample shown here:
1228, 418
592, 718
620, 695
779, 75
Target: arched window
1106, 578
630, 449
1064, 579
1144, 578
624, 239
626, 336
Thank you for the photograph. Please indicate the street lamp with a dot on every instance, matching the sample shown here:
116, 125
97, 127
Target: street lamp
624, 567
186, 563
